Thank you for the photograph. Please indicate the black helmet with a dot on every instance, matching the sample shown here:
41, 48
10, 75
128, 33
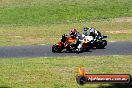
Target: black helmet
85, 29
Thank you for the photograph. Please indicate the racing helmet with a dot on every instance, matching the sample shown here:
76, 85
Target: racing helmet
85, 32
85, 29
73, 32
91, 30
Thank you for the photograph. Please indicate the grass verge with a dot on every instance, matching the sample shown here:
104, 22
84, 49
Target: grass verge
30, 22
117, 30
59, 72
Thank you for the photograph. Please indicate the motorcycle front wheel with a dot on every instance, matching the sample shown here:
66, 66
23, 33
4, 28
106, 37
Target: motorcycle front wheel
104, 43
56, 49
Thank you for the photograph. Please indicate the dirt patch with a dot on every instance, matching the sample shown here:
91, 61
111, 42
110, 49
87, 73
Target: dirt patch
120, 32
123, 19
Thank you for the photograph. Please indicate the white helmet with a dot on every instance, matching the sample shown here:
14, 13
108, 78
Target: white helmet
91, 30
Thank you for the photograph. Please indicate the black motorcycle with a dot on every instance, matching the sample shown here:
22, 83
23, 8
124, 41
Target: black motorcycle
99, 43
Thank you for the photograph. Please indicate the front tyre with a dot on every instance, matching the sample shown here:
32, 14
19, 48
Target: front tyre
86, 47
98, 45
104, 43
101, 44
56, 49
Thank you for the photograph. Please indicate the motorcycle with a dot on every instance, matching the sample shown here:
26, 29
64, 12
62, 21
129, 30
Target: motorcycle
65, 43
100, 42
87, 42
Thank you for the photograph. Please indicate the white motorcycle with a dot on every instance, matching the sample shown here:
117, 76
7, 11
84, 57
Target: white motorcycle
87, 42
95, 43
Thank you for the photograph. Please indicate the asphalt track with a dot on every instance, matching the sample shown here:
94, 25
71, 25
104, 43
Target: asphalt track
113, 48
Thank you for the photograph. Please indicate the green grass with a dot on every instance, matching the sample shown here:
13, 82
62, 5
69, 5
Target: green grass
37, 12
59, 72
50, 34
32, 22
